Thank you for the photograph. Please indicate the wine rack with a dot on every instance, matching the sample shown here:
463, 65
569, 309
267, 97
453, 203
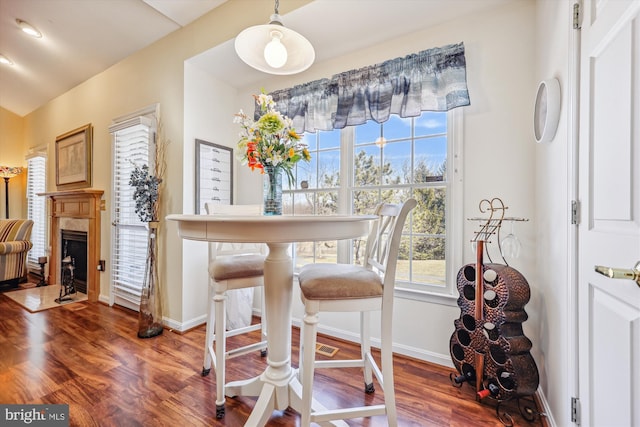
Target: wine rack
488, 347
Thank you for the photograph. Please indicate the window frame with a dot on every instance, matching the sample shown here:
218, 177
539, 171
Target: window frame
454, 218
128, 294
454, 245
39, 235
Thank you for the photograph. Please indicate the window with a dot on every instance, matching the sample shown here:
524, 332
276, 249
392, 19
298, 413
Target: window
133, 141
354, 169
37, 208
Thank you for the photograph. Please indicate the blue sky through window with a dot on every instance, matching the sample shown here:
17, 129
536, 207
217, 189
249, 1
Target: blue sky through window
427, 145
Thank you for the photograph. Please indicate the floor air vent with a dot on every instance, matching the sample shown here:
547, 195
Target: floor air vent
326, 350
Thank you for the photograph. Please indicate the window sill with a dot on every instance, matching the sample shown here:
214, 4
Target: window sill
423, 296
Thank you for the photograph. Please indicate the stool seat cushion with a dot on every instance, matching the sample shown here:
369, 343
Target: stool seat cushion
339, 281
236, 266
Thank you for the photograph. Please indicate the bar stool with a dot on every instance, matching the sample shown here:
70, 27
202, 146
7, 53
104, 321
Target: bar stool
231, 266
355, 288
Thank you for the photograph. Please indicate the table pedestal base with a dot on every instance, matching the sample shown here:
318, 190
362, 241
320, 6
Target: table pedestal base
273, 395
277, 387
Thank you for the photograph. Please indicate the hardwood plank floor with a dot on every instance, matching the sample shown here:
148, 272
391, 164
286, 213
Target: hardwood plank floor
87, 355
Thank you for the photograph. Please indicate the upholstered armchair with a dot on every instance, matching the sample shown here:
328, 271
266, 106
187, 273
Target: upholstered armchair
14, 246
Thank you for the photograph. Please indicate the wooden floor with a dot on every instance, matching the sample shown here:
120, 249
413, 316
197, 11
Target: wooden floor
87, 355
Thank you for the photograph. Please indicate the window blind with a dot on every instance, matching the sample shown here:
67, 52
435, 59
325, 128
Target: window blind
132, 142
36, 208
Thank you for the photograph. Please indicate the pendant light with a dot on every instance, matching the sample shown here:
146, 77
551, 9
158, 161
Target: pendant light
272, 48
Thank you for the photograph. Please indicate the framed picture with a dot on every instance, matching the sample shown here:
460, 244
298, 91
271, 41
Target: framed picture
214, 174
73, 158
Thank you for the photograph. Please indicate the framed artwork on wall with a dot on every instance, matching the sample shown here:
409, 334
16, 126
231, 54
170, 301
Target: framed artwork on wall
214, 174
73, 158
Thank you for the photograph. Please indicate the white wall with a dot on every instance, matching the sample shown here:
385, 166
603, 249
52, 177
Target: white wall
498, 153
552, 291
207, 109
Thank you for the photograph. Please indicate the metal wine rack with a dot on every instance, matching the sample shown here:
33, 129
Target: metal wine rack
488, 347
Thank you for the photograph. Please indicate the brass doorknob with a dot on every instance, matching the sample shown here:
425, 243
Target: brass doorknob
621, 273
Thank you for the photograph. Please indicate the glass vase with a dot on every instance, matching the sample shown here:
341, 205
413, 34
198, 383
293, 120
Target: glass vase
272, 191
150, 314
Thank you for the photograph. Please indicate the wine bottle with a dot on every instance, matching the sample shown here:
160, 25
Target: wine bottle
468, 374
505, 379
491, 390
491, 298
490, 331
459, 379
462, 378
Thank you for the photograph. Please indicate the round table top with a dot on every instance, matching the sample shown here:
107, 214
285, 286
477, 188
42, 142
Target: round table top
271, 229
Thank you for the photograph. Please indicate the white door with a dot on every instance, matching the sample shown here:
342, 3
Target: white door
609, 230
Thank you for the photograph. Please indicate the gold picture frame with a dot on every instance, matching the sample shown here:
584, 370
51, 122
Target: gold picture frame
73, 158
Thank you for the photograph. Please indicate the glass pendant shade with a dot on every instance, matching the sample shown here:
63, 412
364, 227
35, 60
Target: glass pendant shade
275, 49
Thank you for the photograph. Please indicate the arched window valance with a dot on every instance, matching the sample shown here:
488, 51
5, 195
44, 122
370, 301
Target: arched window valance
431, 80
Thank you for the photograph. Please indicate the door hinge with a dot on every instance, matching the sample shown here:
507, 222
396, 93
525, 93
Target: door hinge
576, 16
575, 410
575, 212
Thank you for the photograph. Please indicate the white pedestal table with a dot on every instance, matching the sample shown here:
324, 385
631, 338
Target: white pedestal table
277, 387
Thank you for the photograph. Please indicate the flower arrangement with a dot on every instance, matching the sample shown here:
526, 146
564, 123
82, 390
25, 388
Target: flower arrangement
270, 141
146, 193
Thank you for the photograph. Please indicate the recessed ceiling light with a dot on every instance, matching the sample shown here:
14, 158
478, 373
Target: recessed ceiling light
5, 60
28, 28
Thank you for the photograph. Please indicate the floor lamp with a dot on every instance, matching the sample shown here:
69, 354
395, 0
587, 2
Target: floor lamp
8, 172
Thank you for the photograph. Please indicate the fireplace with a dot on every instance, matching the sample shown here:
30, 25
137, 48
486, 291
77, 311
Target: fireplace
73, 246
76, 211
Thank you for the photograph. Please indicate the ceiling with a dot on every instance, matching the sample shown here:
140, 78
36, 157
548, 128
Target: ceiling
82, 38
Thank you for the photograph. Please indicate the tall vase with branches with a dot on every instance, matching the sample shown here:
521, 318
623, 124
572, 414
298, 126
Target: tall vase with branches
147, 185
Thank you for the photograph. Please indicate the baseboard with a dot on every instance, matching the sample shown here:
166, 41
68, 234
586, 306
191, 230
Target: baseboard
182, 327
546, 414
412, 352
409, 351
405, 350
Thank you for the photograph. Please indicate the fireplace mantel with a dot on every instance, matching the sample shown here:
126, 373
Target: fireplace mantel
83, 204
